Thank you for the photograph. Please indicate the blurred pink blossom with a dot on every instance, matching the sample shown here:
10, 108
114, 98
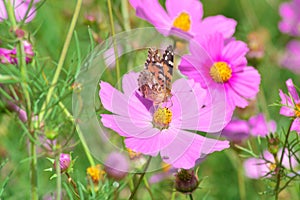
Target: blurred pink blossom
151, 130
182, 18
20, 7
290, 13
291, 58
10, 56
221, 66
260, 126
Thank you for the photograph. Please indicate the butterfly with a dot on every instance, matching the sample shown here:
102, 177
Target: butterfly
155, 81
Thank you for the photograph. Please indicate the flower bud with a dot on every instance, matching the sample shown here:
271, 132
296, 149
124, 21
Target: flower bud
273, 145
64, 162
116, 166
186, 181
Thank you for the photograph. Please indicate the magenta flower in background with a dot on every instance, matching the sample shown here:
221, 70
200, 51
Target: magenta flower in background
20, 7
166, 129
182, 18
291, 58
64, 162
222, 67
291, 105
290, 13
116, 166
236, 130
256, 168
260, 126
8, 56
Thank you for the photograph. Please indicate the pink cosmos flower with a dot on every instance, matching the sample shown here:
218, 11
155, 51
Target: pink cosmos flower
5, 56
182, 18
290, 13
166, 129
291, 105
260, 126
222, 67
20, 7
291, 58
256, 168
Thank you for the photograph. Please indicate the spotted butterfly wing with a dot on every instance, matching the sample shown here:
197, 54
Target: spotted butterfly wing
155, 80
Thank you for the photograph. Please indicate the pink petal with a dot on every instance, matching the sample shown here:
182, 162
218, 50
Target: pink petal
236, 130
187, 147
212, 44
118, 103
234, 53
292, 90
296, 125
255, 168
151, 145
288, 108
246, 83
154, 13
219, 23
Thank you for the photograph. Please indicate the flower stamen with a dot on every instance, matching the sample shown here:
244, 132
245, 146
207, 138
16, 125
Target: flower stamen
162, 118
297, 110
220, 72
183, 22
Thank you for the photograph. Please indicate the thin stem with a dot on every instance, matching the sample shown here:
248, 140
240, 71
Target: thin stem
80, 135
61, 59
191, 196
277, 187
58, 177
148, 188
140, 179
24, 84
125, 14
70, 180
114, 43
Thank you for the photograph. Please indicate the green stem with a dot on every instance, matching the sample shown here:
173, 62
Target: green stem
279, 165
236, 163
114, 43
125, 14
148, 188
25, 87
58, 177
61, 59
80, 135
140, 179
191, 196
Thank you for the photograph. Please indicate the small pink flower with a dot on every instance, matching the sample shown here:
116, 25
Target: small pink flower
291, 105
222, 67
260, 127
166, 129
182, 18
10, 56
290, 14
64, 162
20, 7
256, 168
291, 58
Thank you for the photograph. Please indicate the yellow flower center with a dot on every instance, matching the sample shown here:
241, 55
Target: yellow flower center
95, 173
183, 22
162, 118
297, 110
132, 154
165, 167
271, 166
220, 72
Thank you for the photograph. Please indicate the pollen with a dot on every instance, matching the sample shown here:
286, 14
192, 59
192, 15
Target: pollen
183, 22
95, 173
162, 118
220, 72
297, 110
271, 166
